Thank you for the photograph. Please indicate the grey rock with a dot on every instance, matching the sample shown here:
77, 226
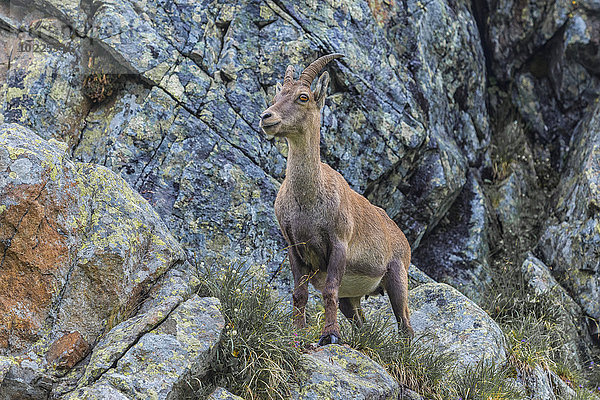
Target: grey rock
183, 122
560, 387
408, 394
549, 50
455, 324
576, 341
417, 277
540, 384
543, 384
339, 372
515, 194
222, 394
95, 252
456, 250
571, 239
161, 363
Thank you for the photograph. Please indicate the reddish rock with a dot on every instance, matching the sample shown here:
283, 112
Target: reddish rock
78, 246
68, 350
36, 191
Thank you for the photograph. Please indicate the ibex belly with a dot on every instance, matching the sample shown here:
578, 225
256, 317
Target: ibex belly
358, 285
352, 285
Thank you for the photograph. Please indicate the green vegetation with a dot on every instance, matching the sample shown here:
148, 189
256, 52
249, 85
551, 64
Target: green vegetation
423, 369
260, 352
486, 381
413, 364
536, 328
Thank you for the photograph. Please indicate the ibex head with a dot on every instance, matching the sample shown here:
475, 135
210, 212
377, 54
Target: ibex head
295, 107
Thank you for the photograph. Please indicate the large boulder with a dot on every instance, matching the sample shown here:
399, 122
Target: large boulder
571, 238
81, 252
451, 322
339, 372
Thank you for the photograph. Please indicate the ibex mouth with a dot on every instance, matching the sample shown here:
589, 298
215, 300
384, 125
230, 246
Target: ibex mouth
268, 130
269, 125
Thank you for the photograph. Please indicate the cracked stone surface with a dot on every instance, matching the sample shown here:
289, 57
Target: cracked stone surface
549, 50
462, 262
539, 278
192, 77
161, 363
570, 242
80, 251
167, 95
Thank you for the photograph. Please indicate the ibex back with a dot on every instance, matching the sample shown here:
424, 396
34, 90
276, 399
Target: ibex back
345, 246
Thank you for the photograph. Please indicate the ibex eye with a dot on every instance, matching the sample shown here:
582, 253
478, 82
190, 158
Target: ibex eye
303, 98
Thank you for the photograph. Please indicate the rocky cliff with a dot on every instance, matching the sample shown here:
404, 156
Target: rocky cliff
130, 147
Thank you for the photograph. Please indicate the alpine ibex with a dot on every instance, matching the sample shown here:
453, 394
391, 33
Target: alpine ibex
345, 246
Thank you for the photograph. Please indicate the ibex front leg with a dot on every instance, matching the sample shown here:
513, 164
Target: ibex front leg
300, 296
335, 270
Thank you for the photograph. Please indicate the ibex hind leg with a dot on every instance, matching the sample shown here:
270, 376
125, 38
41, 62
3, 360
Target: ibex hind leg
350, 307
396, 285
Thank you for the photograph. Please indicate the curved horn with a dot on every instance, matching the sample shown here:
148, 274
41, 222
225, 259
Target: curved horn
309, 74
289, 75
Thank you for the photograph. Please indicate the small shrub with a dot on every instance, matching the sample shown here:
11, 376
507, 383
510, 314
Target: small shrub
100, 85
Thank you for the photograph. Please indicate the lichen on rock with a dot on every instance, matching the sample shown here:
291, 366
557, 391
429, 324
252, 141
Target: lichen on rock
339, 372
161, 364
453, 323
80, 249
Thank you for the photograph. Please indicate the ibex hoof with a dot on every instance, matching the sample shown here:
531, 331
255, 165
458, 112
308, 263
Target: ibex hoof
329, 339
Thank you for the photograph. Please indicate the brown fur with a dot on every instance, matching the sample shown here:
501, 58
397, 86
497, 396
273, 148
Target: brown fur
342, 244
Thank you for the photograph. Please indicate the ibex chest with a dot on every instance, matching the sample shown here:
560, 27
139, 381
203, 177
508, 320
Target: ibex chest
309, 232
311, 241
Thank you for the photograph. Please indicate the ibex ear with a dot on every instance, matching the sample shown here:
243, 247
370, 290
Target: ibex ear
321, 89
278, 88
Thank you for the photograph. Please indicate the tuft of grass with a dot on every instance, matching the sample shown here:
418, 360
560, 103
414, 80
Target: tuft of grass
259, 350
586, 394
486, 381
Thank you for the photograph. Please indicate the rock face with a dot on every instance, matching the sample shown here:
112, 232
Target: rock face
456, 252
571, 238
79, 247
540, 279
455, 324
549, 49
171, 102
157, 104
339, 372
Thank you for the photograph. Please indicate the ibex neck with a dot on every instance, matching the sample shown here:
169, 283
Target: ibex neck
304, 167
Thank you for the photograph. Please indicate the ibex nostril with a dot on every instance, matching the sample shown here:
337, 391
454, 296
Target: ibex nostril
265, 115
